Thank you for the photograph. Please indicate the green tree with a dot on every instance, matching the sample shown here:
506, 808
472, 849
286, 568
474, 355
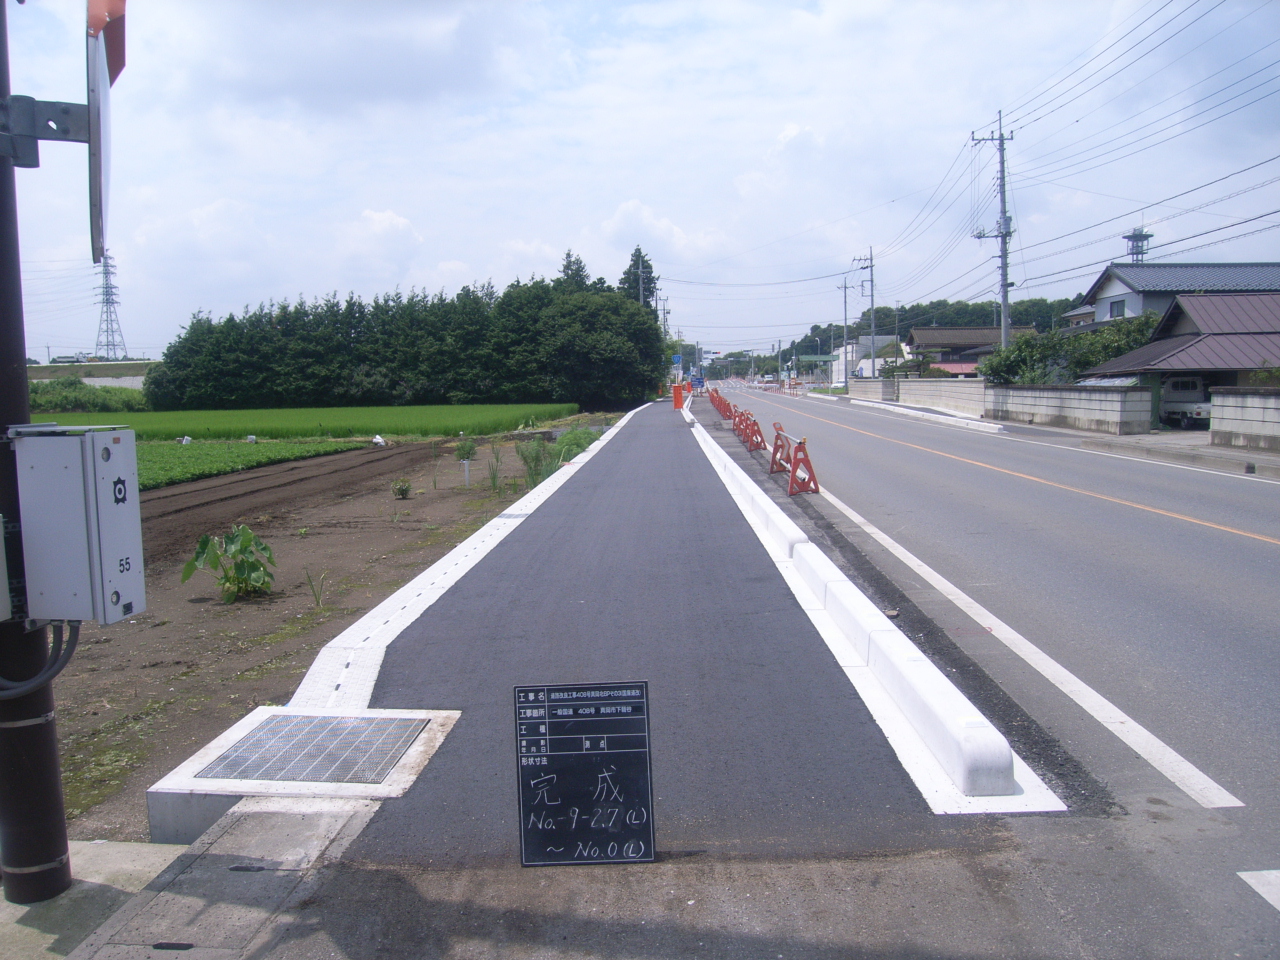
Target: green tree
639, 269
1055, 357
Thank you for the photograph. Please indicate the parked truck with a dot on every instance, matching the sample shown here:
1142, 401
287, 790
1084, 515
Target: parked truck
1184, 401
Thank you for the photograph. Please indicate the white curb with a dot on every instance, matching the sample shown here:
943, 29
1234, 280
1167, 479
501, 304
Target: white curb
982, 773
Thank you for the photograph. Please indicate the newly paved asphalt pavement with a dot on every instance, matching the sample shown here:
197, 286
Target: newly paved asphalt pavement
642, 568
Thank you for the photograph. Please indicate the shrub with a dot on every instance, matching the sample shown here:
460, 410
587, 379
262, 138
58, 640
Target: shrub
401, 488
465, 450
572, 442
73, 395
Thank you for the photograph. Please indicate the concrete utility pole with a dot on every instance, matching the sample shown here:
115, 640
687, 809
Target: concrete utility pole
844, 343
1004, 230
871, 266
33, 829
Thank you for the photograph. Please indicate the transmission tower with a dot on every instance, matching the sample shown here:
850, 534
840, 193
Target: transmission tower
110, 340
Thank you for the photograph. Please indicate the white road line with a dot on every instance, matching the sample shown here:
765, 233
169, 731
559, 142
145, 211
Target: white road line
1160, 755
1266, 882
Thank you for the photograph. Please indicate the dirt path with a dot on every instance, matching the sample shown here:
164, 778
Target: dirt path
143, 695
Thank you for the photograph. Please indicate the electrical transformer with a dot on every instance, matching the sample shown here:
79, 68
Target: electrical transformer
81, 522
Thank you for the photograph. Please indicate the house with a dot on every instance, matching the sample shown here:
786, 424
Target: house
1129, 289
956, 349
1215, 336
1081, 314
858, 349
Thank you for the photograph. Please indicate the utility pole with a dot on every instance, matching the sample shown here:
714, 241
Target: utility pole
1004, 230
844, 343
871, 266
33, 829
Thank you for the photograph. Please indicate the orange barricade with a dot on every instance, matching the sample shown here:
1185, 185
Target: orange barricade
781, 459
752, 437
676, 399
802, 478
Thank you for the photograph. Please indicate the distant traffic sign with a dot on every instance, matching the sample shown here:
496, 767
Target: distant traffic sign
821, 357
676, 358
698, 382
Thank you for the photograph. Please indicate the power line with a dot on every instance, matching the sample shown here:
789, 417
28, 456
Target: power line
1162, 68
1028, 122
769, 283
1033, 97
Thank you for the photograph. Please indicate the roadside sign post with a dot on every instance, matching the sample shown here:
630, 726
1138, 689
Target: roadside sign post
34, 860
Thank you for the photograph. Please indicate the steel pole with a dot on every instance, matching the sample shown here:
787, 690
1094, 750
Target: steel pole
33, 828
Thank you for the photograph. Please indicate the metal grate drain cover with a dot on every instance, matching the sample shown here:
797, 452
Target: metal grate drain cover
318, 749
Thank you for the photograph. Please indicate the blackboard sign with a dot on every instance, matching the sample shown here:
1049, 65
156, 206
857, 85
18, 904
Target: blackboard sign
584, 773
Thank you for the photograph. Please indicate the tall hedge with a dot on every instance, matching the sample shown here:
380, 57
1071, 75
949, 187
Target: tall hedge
558, 341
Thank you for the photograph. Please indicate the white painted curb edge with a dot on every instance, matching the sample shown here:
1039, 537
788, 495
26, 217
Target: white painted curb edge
969, 767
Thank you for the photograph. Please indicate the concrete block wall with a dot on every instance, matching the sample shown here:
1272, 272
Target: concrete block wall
1246, 417
1114, 410
883, 391
965, 397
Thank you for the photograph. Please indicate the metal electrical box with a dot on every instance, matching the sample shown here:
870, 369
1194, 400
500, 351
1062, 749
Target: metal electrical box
81, 522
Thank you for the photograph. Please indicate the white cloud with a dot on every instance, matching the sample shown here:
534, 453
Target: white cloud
264, 150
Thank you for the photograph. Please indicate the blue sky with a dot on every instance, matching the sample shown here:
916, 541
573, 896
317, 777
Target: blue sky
270, 150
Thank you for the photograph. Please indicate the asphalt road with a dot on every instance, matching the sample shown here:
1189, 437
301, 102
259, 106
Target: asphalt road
1154, 584
785, 826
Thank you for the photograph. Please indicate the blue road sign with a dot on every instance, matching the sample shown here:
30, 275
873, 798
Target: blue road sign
676, 358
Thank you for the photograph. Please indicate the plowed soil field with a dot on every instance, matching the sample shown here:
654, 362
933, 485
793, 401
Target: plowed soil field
143, 695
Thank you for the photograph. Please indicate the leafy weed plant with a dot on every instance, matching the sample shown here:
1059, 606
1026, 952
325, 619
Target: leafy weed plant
237, 561
401, 488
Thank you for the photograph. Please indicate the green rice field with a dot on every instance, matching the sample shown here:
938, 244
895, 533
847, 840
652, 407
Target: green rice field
333, 422
160, 464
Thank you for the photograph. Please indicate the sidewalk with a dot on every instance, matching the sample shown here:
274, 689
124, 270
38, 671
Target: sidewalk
1191, 448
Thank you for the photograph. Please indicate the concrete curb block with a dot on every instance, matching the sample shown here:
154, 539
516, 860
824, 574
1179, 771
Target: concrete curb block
975, 755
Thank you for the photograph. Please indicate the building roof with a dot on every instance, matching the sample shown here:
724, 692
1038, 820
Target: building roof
1084, 310
1233, 332
1191, 278
1080, 328
1224, 313
944, 337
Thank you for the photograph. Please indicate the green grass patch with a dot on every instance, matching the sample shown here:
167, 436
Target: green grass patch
95, 764
427, 421
160, 464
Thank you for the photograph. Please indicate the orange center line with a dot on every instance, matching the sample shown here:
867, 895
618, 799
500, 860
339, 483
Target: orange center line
1047, 483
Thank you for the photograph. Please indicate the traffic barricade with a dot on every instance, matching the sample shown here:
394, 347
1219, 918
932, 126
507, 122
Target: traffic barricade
792, 455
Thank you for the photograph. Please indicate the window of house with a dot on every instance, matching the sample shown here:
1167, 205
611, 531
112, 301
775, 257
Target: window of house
1117, 308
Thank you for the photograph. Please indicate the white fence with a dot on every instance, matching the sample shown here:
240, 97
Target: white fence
1114, 410
1247, 417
